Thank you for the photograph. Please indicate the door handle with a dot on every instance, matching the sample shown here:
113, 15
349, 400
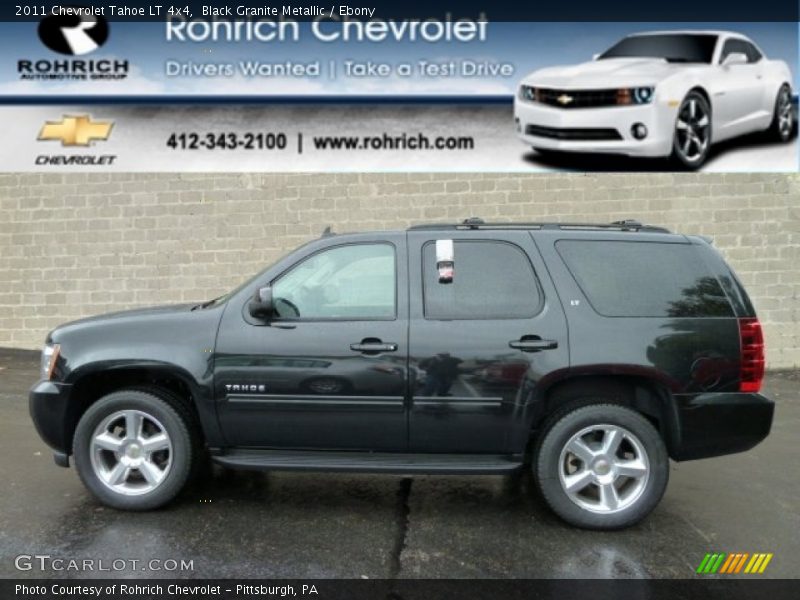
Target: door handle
373, 347
533, 344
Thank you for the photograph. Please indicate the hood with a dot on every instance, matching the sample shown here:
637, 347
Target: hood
142, 314
606, 73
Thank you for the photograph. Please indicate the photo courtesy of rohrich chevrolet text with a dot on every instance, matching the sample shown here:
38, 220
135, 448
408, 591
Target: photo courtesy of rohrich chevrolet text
399, 300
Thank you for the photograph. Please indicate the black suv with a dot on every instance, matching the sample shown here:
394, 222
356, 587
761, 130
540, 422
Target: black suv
591, 353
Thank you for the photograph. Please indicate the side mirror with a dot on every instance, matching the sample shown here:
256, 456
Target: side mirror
261, 306
595, 56
735, 58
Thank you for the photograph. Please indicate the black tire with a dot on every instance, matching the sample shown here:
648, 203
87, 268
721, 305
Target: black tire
547, 463
781, 130
547, 153
692, 158
177, 422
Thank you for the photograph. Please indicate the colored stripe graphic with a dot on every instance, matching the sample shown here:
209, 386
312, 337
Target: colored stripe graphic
731, 560
741, 562
733, 563
703, 563
764, 564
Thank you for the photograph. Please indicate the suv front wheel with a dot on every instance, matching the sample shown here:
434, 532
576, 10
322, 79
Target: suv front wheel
602, 466
133, 450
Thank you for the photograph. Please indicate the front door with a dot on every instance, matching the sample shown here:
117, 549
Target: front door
479, 345
739, 93
329, 371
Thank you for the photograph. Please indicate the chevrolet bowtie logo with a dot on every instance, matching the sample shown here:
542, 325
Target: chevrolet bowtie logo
565, 99
76, 130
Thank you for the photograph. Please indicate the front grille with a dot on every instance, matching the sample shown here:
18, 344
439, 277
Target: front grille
574, 133
576, 99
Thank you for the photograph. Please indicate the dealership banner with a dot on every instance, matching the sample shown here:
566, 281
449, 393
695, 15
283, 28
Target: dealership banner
245, 86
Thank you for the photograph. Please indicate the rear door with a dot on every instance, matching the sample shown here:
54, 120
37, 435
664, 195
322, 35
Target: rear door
481, 345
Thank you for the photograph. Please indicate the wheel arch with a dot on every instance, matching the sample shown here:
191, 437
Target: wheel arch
163, 380
703, 92
645, 395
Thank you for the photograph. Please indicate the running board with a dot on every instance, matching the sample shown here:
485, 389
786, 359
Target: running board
370, 462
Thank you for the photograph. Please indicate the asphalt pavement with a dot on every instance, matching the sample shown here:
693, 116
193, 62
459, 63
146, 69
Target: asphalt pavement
235, 524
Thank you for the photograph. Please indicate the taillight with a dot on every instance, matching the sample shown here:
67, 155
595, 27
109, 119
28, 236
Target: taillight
752, 355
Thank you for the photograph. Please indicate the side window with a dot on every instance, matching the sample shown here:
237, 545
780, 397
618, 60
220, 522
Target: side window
355, 282
746, 48
492, 280
753, 53
645, 279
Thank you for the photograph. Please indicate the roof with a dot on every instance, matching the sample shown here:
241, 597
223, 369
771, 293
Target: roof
476, 223
719, 32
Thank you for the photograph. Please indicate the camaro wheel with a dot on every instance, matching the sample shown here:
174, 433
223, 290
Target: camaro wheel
782, 125
601, 467
692, 138
133, 450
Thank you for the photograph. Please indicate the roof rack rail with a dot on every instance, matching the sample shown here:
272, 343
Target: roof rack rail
475, 223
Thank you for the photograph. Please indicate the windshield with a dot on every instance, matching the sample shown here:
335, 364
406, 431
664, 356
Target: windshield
672, 47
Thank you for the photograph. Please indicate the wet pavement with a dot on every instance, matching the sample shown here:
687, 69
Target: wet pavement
331, 525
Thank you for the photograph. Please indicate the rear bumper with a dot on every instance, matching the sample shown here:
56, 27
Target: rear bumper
48, 403
721, 423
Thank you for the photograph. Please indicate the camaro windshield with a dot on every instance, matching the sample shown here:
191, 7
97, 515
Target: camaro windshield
673, 47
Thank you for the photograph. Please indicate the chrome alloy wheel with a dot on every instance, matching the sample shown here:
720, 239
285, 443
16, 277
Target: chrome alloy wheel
785, 113
131, 452
692, 130
604, 468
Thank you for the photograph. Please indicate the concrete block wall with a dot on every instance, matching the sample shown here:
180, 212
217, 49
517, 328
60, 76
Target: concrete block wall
74, 245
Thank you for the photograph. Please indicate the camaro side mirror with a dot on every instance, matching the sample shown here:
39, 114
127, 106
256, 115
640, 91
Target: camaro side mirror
595, 56
261, 306
735, 58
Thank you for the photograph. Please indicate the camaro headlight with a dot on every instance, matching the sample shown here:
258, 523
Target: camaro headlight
49, 359
637, 95
527, 92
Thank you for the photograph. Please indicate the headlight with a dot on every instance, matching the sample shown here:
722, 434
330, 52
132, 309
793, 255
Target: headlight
637, 95
49, 359
527, 92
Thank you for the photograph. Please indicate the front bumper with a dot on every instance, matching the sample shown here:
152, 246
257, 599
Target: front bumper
48, 403
659, 119
719, 423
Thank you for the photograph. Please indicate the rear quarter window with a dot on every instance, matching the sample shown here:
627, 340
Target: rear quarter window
644, 279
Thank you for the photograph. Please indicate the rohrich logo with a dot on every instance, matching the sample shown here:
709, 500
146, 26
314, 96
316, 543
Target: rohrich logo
76, 31
74, 35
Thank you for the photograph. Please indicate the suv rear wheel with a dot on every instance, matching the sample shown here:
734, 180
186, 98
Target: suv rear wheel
601, 467
133, 450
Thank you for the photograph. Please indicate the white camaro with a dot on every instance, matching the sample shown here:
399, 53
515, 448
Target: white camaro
658, 94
